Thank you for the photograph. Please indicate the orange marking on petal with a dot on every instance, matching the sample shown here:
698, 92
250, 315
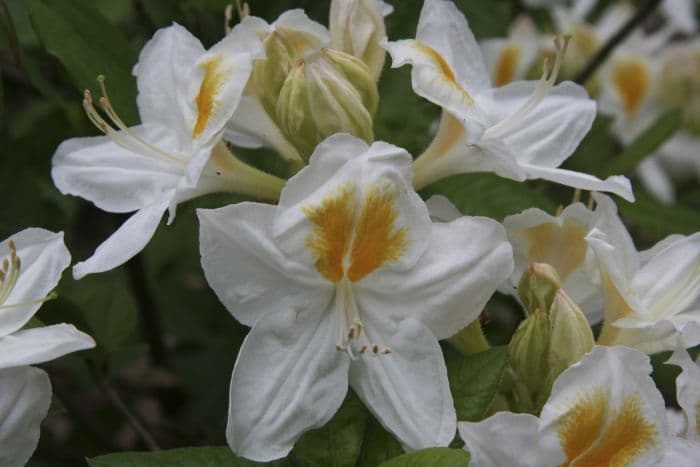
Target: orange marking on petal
334, 219
444, 68
507, 65
631, 80
377, 239
562, 247
214, 78
591, 434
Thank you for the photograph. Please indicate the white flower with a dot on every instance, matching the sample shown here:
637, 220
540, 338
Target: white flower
604, 410
523, 130
32, 263
511, 58
347, 281
688, 391
651, 297
186, 95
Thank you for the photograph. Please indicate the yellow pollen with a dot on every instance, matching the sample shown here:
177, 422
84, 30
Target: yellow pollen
631, 80
214, 78
506, 65
359, 234
445, 70
592, 434
562, 247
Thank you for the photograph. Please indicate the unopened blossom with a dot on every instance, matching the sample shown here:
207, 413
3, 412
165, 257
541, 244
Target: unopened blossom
346, 281
523, 130
604, 410
31, 265
651, 297
186, 96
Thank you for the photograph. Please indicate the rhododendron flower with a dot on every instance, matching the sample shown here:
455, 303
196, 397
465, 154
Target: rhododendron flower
186, 96
32, 263
346, 281
523, 130
604, 410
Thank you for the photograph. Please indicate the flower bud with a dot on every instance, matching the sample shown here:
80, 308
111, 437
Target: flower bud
324, 94
357, 28
537, 287
570, 336
527, 351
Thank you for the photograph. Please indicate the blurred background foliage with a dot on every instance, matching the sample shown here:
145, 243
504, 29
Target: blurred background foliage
166, 346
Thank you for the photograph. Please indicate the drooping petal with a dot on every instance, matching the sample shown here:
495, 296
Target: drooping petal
113, 178
618, 184
163, 75
688, 391
288, 378
506, 439
129, 239
25, 396
606, 410
246, 269
43, 257
449, 286
407, 390
42, 344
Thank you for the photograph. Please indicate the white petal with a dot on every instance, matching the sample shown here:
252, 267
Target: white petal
43, 257
609, 389
129, 239
505, 439
25, 396
688, 391
406, 390
288, 379
681, 15
296, 19
113, 178
246, 269
39, 345
617, 184
451, 283
341, 161
163, 76
549, 133
680, 452
608, 221
655, 180
441, 209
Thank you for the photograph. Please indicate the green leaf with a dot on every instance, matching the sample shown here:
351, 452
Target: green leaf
474, 382
88, 45
338, 443
485, 194
657, 218
649, 141
432, 457
379, 445
183, 457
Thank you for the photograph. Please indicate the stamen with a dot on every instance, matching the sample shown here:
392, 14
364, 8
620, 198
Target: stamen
354, 341
50, 296
10, 272
540, 92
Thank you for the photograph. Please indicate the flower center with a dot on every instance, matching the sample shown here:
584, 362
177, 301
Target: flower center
9, 273
507, 65
214, 78
631, 79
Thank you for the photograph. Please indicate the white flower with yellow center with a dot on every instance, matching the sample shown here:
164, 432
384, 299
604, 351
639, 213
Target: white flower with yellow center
346, 281
651, 297
186, 95
604, 410
523, 130
31, 265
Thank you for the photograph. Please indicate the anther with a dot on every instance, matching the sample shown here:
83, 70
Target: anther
386, 351
375, 349
363, 348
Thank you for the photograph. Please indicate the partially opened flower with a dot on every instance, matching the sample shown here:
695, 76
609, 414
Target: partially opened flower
347, 281
186, 95
523, 130
651, 297
604, 410
32, 263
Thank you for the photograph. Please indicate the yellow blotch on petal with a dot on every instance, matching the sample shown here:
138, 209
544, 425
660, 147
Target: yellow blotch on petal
562, 247
506, 65
593, 435
697, 418
377, 240
445, 70
334, 219
214, 77
631, 80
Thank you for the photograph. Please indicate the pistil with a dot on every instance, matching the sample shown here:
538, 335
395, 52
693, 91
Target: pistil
350, 337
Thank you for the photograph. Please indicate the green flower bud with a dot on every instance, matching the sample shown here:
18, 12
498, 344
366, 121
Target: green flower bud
324, 94
357, 28
537, 287
570, 336
528, 351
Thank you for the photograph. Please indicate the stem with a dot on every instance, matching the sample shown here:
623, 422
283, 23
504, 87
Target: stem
599, 58
122, 407
471, 339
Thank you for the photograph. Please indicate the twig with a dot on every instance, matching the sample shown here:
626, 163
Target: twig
122, 407
599, 58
